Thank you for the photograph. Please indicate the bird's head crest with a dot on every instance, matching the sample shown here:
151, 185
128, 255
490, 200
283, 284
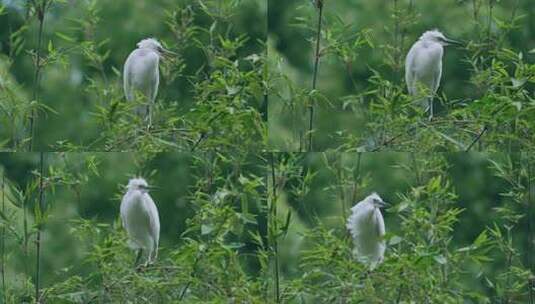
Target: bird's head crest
376, 200
150, 43
137, 183
434, 35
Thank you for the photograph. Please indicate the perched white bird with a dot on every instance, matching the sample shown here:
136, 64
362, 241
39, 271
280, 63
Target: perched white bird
141, 74
140, 219
423, 66
367, 228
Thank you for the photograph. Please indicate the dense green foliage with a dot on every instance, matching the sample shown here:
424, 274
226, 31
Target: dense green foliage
485, 102
459, 227
253, 204
210, 95
212, 229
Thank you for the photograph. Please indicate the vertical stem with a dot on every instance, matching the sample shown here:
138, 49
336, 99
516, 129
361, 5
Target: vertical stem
531, 279
39, 222
193, 268
4, 290
341, 186
396, 38
25, 245
529, 228
416, 169
356, 178
40, 10
273, 221
489, 26
476, 16
315, 76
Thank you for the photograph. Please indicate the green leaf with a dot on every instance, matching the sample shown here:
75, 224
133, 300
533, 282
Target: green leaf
233, 245
284, 229
207, 229
247, 218
64, 37
517, 105
402, 206
395, 240
517, 83
440, 259
481, 239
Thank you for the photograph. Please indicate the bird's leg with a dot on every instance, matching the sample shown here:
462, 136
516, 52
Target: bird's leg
155, 251
430, 100
139, 254
149, 116
149, 260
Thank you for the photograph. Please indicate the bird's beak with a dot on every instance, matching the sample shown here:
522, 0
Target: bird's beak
383, 204
152, 188
453, 42
168, 54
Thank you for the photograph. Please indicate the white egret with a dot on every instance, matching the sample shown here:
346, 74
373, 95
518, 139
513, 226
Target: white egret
140, 219
367, 228
141, 74
423, 66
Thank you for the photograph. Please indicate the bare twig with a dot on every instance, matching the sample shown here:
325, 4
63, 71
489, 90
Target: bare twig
531, 291
319, 5
4, 289
478, 137
183, 292
273, 212
39, 223
205, 134
41, 12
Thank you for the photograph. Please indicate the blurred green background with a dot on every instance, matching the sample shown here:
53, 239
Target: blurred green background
473, 178
291, 43
69, 86
90, 186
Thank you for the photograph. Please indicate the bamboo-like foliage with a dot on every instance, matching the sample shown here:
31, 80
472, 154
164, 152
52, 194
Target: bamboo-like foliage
210, 95
219, 253
422, 233
484, 98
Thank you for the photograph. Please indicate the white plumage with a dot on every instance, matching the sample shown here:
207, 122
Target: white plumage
140, 219
423, 66
141, 74
367, 228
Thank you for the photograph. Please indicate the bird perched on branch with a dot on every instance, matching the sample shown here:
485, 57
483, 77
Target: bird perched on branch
367, 228
423, 66
141, 75
141, 220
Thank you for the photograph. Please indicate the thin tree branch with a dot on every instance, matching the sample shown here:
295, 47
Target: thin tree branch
319, 5
478, 137
41, 12
4, 289
273, 213
39, 222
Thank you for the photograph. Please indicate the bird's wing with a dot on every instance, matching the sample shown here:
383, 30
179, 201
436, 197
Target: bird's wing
153, 91
127, 77
123, 211
409, 72
436, 78
380, 223
154, 220
353, 222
